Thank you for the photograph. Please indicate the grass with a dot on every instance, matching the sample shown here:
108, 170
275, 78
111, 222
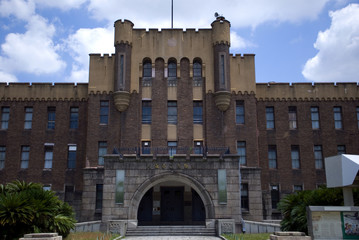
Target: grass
258, 236
91, 236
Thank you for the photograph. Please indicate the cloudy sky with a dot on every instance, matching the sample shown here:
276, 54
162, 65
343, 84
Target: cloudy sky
294, 40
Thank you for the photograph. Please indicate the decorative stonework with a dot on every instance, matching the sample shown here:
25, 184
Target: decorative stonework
222, 100
122, 100
225, 226
117, 226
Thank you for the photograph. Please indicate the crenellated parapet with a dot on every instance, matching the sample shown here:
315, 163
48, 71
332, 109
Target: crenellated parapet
307, 91
43, 92
242, 72
221, 31
123, 32
101, 73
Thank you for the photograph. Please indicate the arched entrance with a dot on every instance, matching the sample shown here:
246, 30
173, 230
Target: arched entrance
171, 199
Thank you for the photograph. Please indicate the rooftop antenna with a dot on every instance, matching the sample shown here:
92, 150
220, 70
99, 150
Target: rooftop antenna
172, 14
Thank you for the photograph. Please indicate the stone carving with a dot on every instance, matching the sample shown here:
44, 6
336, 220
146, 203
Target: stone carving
226, 227
117, 227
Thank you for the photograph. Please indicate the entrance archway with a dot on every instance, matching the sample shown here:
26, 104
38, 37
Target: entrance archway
172, 186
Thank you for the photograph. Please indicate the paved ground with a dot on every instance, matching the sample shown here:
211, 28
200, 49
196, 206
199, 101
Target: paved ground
173, 238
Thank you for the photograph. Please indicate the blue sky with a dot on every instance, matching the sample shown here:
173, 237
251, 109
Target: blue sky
294, 40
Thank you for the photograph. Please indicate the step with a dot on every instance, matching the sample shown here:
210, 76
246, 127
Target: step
171, 230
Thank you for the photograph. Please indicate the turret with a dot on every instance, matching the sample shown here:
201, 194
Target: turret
221, 44
123, 48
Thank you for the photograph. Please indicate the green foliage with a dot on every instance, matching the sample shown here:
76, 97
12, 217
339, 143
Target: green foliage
293, 206
26, 208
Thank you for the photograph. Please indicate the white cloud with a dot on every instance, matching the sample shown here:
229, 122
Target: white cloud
83, 42
61, 4
238, 43
6, 77
32, 52
338, 56
21, 9
189, 13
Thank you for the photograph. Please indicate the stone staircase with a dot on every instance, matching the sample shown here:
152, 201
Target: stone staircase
171, 231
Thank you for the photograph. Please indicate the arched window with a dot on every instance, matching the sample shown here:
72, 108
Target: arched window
147, 69
197, 69
172, 69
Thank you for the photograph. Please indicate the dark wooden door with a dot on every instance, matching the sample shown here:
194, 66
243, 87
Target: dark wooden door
145, 208
172, 204
198, 210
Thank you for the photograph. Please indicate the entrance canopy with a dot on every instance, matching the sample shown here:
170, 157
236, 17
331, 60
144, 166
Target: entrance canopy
342, 170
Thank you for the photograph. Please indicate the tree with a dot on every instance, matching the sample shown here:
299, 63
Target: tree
27, 208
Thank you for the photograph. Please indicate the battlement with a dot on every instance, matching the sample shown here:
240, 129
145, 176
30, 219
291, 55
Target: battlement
307, 91
43, 91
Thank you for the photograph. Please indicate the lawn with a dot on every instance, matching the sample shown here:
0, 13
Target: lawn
258, 236
91, 236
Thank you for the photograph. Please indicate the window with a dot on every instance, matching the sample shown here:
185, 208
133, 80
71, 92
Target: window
318, 156
47, 187
2, 156
197, 69
274, 195
49, 154
341, 149
51, 115
69, 194
102, 151
172, 148
104, 112
244, 196
120, 189
71, 156
270, 117
25, 156
146, 147
5, 115
172, 69
239, 112
358, 116
295, 157
222, 70
297, 188
222, 186
314, 113
172, 112
99, 196
197, 112
338, 117
198, 147
146, 112
272, 156
241, 151
147, 69
74, 117
28, 118
292, 117
121, 71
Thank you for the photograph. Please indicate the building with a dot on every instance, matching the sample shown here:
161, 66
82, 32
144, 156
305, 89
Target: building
173, 129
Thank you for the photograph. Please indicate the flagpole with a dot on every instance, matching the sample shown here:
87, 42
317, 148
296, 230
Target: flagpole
172, 14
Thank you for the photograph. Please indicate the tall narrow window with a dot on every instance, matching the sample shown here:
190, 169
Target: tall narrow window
122, 70
146, 147
2, 156
147, 69
120, 187
104, 107
341, 149
197, 112
314, 113
74, 117
338, 117
244, 196
102, 151
292, 111
197, 69
222, 186
71, 156
270, 117
172, 148
198, 147
5, 115
222, 70
358, 116
51, 115
69, 194
49, 154
275, 196
272, 156
318, 156
295, 157
172, 112
146, 112
241, 151
99, 196
25, 157
28, 118
239, 112
172, 69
